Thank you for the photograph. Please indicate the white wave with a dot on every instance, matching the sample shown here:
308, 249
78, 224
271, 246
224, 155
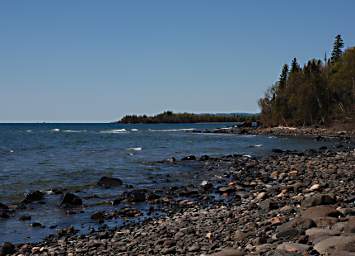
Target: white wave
72, 131
11, 151
55, 130
28, 130
258, 145
134, 130
135, 149
272, 137
114, 131
171, 130
249, 156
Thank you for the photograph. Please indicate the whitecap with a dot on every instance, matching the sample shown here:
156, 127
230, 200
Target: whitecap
73, 131
11, 151
258, 145
172, 130
114, 131
249, 156
55, 130
28, 130
134, 130
135, 149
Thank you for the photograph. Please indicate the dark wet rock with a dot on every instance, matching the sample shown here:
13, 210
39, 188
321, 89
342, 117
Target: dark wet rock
3, 206
206, 186
190, 157
318, 200
4, 214
137, 195
71, 200
25, 217
69, 231
57, 191
187, 191
7, 249
98, 216
294, 228
277, 151
204, 158
129, 212
33, 197
37, 225
108, 182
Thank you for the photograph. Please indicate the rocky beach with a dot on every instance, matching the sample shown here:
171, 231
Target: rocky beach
286, 203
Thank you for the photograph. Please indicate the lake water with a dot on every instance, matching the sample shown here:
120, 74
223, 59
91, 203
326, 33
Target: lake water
76, 156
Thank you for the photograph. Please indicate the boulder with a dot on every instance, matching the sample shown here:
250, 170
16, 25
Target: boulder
229, 252
206, 186
320, 211
137, 195
98, 216
336, 245
317, 234
190, 157
294, 228
108, 182
33, 197
318, 200
25, 217
293, 248
3, 206
129, 212
7, 249
71, 200
204, 158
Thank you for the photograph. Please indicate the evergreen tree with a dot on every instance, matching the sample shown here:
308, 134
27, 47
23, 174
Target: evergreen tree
294, 66
337, 48
283, 76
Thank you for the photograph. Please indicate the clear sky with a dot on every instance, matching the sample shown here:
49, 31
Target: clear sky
69, 60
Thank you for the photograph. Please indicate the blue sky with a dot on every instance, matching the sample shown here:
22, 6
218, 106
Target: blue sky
98, 60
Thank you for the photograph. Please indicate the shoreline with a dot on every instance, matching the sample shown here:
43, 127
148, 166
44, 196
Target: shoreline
261, 200
317, 133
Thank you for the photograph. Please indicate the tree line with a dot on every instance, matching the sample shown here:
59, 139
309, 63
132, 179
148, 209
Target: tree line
170, 117
319, 93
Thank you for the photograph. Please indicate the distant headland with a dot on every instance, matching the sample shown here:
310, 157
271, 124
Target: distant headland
171, 117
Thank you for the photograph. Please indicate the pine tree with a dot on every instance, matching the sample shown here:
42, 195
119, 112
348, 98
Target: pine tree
294, 66
337, 48
283, 76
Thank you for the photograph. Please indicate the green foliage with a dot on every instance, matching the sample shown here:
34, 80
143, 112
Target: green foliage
318, 93
337, 48
170, 117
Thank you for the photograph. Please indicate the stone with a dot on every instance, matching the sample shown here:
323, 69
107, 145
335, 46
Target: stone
320, 211
108, 182
25, 217
229, 252
98, 216
336, 245
7, 249
70, 200
294, 228
317, 234
318, 200
293, 248
190, 157
33, 197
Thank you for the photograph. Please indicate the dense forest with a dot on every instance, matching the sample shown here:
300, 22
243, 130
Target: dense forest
319, 93
170, 117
